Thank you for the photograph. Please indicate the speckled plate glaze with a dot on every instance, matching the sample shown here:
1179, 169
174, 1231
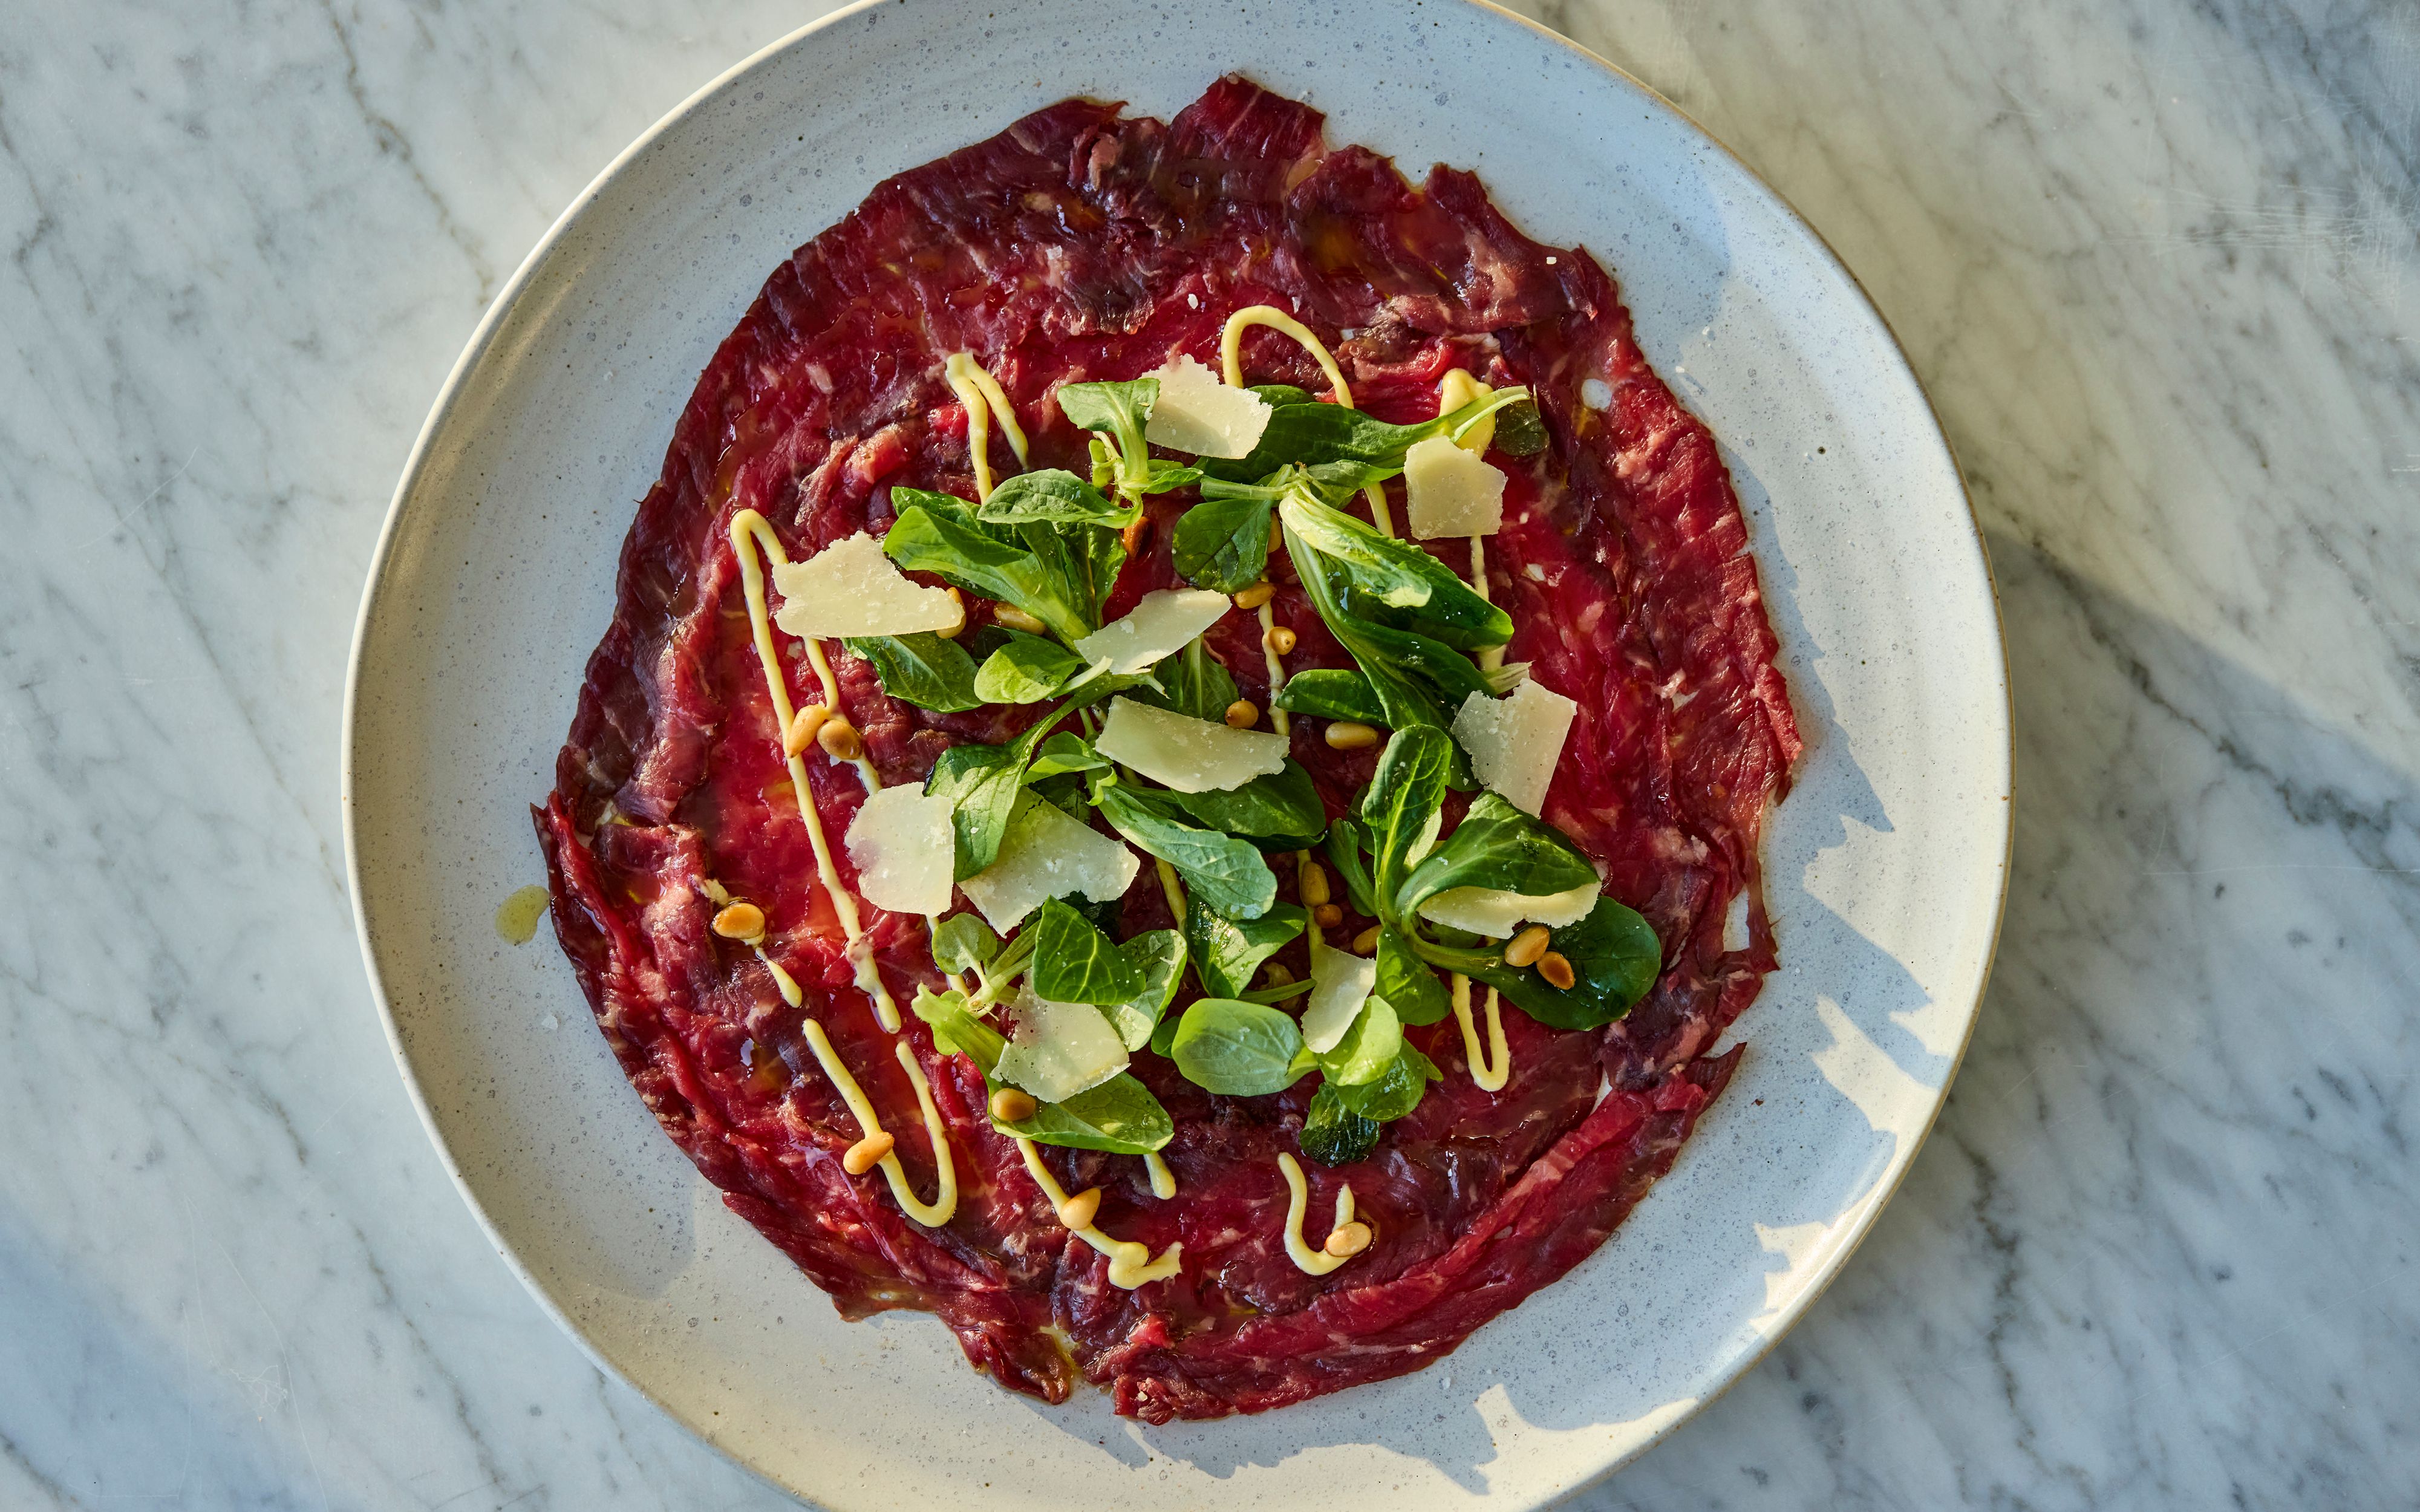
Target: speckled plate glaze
1885, 867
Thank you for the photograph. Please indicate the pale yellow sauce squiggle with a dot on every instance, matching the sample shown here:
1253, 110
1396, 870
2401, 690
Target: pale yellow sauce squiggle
1306, 1259
985, 402
1491, 1066
1231, 363
945, 1198
1163, 1181
750, 532
1130, 1262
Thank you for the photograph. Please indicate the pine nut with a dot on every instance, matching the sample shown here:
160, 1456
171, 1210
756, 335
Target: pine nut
840, 740
1557, 971
1314, 885
1526, 946
803, 726
1275, 975
1256, 595
740, 921
1347, 1239
1080, 1210
1016, 619
1366, 941
866, 1153
1326, 915
1241, 714
1281, 639
1351, 734
960, 600
1009, 1106
1277, 535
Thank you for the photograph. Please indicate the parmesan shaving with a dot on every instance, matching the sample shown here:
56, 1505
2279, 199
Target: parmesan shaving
1187, 754
1197, 413
900, 842
1516, 742
850, 588
1162, 624
1045, 854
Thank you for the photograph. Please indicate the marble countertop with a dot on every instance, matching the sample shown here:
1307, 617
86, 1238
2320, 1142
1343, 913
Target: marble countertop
2158, 264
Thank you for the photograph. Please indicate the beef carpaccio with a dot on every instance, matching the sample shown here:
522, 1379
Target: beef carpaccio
1081, 243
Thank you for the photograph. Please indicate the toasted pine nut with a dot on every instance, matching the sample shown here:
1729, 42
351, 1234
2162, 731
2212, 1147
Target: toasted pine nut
1326, 915
1242, 715
1281, 639
1314, 884
1080, 1210
1256, 595
1275, 975
1526, 946
866, 1153
1366, 941
803, 726
1347, 1239
960, 600
740, 921
1016, 619
1351, 734
1277, 534
1557, 971
840, 740
1009, 1106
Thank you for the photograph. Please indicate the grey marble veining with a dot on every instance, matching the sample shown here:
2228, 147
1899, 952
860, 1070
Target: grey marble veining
2158, 265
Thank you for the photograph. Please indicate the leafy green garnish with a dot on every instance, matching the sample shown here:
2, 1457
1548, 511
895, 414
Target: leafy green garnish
1368, 1048
1158, 955
1520, 430
1236, 1048
1498, 847
1347, 848
1394, 1091
1074, 962
922, 669
1392, 581
1228, 952
1615, 960
982, 783
1225, 872
1066, 752
1334, 1135
962, 942
1120, 1115
1282, 805
1331, 693
1316, 433
1406, 982
1403, 806
1224, 544
1026, 670
1032, 566
1051, 497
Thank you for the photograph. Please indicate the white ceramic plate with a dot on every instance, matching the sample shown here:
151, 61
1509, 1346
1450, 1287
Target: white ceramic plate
494, 579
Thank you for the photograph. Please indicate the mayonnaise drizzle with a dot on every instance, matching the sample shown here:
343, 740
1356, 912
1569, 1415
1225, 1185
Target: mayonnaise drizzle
945, 1198
1163, 1181
1306, 1259
749, 534
1130, 1262
1492, 1067
985, 402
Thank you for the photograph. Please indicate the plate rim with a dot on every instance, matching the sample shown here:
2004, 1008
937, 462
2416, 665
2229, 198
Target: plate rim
499, 312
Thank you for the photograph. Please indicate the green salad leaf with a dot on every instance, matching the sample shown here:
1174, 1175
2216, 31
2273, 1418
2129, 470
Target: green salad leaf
1158, 956
1120, 1115
923, 669
1331, 693
1237, 1049
1074, 962
1051, 497
1026, 670
1281, 806
1229, 952
1498, 846
1334, 1135
1226, 874
1615, 960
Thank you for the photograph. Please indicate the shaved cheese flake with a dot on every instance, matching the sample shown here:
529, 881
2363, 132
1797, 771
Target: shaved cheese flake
1516, 742
1339, 983
1496, 913
1197, 413
1045, 854
1187, 754
1162, 624
850, 588
900, 840
1059, 1049
1450, 491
